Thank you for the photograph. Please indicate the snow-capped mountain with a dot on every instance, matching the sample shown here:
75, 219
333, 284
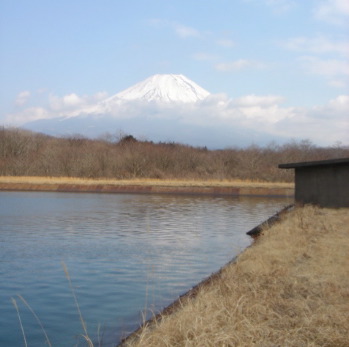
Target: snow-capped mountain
161, 108
163, 88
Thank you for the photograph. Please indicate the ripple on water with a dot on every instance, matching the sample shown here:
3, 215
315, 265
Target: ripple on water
125, 254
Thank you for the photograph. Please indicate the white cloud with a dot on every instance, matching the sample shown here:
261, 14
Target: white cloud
238, 65
277, 6
185, 31
204, 56
263, 109
66, 102
338, 83
73, 101
256, 100
181, 30
56, 107
333, 11
323, 124
280, 6
22, 98
99, 96
329, 57
318, 44
28, 115
340, 104
330, 68
227, 43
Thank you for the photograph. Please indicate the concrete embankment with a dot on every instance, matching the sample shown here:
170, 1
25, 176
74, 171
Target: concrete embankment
147, 189
193, 292
290, 288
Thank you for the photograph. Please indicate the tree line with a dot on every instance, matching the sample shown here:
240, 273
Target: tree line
25, 153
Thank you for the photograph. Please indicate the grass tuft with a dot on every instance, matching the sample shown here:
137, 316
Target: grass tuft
85, 335
83, 324
37, 319
20, 320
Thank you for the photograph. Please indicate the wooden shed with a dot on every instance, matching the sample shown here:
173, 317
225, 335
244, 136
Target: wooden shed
324, 183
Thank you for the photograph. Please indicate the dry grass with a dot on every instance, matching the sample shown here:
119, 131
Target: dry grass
291, 288
144, 182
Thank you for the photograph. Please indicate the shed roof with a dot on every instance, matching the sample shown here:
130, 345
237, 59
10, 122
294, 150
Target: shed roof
340, 161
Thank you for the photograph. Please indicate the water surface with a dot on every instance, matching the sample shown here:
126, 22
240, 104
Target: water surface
126, 254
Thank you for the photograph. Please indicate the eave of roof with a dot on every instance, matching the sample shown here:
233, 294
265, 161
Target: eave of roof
340, 161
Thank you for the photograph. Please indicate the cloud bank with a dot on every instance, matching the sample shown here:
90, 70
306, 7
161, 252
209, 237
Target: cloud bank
333, 11
324, 125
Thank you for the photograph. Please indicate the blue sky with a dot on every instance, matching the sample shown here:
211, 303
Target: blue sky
289, 58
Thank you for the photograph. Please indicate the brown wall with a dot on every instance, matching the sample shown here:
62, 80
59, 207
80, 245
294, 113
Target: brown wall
326, 186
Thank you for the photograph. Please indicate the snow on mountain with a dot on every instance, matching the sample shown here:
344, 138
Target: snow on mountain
159, 89
160, 108
163, 88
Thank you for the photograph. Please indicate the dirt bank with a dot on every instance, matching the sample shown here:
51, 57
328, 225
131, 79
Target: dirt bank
232, 188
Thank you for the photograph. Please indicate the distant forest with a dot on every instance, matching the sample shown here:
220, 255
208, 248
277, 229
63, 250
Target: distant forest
24, 153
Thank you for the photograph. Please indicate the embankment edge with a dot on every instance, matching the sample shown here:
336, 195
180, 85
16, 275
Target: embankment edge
148, 189
192, 293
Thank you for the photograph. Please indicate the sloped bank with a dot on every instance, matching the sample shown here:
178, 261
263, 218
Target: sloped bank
147, 187
290, 288
193, 292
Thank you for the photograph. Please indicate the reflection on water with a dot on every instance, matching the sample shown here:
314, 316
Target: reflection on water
125, 254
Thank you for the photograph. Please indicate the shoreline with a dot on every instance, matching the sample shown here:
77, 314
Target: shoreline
290, 290
210, 280
147, 186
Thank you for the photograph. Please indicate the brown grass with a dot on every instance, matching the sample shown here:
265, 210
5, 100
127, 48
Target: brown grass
291, 288
144, 182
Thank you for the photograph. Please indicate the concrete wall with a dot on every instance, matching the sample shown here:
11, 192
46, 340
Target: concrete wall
326, 185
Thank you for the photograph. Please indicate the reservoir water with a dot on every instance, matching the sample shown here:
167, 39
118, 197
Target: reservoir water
127, 255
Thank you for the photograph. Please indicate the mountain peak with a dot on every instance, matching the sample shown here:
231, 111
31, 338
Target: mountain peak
164, 88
